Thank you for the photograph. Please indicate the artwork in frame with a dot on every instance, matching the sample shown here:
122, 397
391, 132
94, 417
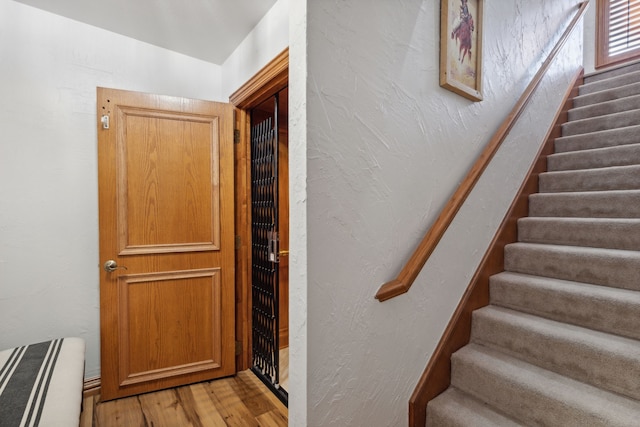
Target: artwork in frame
461, 47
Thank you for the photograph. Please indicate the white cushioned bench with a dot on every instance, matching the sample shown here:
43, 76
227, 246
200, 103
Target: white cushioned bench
41, 384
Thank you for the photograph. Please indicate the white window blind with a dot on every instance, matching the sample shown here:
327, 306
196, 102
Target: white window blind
624, 26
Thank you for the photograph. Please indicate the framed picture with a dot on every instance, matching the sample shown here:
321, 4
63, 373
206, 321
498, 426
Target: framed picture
461, 47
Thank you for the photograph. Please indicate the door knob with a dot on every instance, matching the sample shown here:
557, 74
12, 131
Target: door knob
111, 266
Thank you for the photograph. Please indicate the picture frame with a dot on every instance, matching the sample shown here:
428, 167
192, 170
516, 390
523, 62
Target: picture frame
461, 47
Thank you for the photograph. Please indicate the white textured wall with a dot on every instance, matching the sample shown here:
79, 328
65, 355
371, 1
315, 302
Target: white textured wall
298, 215
49, 69
380, 147
269, 37
590, 38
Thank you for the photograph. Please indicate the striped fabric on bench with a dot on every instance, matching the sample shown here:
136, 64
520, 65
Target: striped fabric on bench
41, 384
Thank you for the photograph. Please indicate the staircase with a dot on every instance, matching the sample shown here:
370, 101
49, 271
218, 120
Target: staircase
559, 344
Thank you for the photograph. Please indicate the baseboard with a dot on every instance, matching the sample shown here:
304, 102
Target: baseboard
91, 387
436, 377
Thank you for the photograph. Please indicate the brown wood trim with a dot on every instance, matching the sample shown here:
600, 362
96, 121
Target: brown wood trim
243, 250
412, 268
91, 387
437, 375
269, 80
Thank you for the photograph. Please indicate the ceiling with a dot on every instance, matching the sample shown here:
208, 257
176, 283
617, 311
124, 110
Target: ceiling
206, 29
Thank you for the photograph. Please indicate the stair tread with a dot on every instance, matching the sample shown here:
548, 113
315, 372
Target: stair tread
630, 192
619, 155
456, 408
619, 92
599, 139
611, 82
612, 233
613, 71
599, 252
608, 342
543, 397
600, 123
600, 266
625, 177
587, 171
586, 204
598, 358
608, 309
604, 108
602, 221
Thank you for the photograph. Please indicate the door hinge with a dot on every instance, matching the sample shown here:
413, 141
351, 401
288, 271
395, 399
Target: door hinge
238, 242
238, 348
236, 136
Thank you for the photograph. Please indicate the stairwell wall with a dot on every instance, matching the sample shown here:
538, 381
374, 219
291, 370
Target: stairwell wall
379, 147
590, 21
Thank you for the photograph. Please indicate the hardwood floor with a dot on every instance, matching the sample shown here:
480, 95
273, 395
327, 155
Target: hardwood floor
240, 401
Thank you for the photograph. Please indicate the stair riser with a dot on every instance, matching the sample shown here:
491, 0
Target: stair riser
611, 121
603, 309
597, 234
588, 141
609, 363
593, 159
607, 95
619, 178
619, 269
603, 109
512, 392
454, 408
611, 83
586, 205
441, 417
437, 417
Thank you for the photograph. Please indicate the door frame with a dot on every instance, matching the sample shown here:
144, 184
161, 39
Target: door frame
272, 78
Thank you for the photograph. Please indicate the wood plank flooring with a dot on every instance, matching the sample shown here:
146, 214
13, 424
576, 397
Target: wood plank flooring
284, 368
240, 401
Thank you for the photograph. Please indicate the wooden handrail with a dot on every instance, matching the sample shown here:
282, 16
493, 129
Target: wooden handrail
412, 268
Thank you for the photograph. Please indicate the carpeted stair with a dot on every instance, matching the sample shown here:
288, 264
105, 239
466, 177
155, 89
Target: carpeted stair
559, 345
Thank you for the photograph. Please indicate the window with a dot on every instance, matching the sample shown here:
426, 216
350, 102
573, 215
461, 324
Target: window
618, 31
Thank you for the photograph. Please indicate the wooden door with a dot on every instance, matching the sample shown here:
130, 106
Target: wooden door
167, 221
